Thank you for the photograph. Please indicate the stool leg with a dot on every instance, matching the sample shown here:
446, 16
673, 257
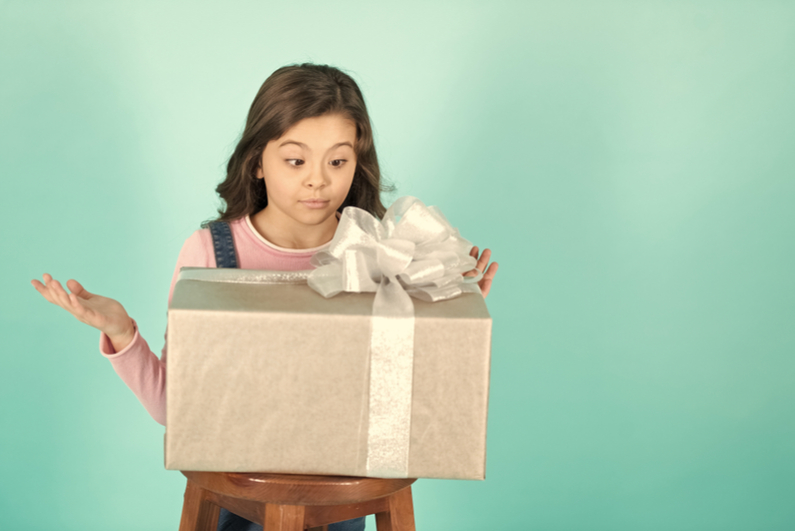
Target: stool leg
283, 517
198, 513
400, 516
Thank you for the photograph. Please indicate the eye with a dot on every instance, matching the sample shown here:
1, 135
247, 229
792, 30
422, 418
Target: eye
341, 162
288, 162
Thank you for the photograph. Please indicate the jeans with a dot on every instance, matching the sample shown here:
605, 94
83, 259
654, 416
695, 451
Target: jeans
231, 522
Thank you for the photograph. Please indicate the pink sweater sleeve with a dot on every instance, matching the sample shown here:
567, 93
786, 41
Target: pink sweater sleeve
136, 364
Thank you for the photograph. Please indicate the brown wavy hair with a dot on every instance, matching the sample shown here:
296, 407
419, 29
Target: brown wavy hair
289, 95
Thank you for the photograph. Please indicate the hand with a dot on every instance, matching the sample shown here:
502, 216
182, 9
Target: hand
100, 312
488, 273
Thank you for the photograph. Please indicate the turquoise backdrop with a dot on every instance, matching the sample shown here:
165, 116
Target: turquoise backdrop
630, 164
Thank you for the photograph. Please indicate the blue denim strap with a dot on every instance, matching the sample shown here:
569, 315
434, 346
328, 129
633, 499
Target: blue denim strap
223, 244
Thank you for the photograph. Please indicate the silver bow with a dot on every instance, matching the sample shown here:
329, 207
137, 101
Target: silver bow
412, 252
414, 247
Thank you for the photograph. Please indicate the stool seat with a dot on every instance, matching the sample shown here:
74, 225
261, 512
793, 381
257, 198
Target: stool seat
290, 502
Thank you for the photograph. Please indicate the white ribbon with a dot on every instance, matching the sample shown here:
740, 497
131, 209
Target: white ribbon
414, 246
413, 251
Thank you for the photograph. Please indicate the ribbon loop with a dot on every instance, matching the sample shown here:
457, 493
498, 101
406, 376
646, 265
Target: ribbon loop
394, 256
413, 244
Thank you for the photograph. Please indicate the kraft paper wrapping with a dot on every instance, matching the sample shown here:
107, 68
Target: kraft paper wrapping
275, 378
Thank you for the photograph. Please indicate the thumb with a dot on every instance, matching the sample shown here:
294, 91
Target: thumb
78, 289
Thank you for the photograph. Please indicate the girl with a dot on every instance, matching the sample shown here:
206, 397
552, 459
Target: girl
306, 153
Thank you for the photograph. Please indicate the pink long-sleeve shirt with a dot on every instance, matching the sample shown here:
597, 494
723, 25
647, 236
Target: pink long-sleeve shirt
139, 367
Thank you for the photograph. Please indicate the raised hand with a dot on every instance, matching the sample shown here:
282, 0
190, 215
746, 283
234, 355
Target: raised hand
488, 273
95, 310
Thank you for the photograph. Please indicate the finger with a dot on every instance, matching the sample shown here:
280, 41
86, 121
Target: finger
478, 266
48, 282
491, 271
78, 289
474, 254
75, 308
60, 294
484, 259
488, 276
472, 272
75, 303
38, 285
52, 290
44, 290
485, 287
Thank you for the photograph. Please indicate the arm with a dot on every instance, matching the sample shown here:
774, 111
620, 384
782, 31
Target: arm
136, 364
120, 341
141, 370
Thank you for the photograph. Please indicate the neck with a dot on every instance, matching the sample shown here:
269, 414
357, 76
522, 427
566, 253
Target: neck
284, 231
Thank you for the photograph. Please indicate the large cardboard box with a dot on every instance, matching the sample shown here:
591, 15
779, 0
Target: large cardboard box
274, 377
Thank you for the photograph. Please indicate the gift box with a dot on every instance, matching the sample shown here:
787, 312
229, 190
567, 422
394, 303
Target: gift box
267, 372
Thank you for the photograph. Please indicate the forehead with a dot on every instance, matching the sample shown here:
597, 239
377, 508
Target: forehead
323, 130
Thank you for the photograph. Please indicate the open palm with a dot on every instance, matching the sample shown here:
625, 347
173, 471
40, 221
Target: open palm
103, 313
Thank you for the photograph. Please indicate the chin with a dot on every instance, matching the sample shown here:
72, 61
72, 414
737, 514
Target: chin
315, 218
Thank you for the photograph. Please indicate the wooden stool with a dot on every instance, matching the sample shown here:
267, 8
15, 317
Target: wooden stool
285, 502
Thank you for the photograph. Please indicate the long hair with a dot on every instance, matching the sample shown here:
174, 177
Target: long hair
289, 95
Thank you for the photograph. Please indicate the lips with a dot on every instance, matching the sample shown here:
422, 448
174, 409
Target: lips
315, 203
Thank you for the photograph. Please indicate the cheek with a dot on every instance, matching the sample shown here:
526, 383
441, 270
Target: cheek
279, 188
342, 186
347, 181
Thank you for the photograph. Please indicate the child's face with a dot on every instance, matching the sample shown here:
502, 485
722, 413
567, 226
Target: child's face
314, 159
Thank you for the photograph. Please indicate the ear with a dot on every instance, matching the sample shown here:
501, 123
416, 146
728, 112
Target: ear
258, 174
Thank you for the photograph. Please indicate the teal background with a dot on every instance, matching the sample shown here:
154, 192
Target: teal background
630, 164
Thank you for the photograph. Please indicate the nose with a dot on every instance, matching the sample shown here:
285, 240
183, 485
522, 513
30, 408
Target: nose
316, 177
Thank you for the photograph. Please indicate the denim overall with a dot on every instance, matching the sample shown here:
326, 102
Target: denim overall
225, 256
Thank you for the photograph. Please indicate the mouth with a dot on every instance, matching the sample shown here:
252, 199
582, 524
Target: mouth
315, 203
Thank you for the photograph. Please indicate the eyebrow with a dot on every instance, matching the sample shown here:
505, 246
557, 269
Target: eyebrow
346, 143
